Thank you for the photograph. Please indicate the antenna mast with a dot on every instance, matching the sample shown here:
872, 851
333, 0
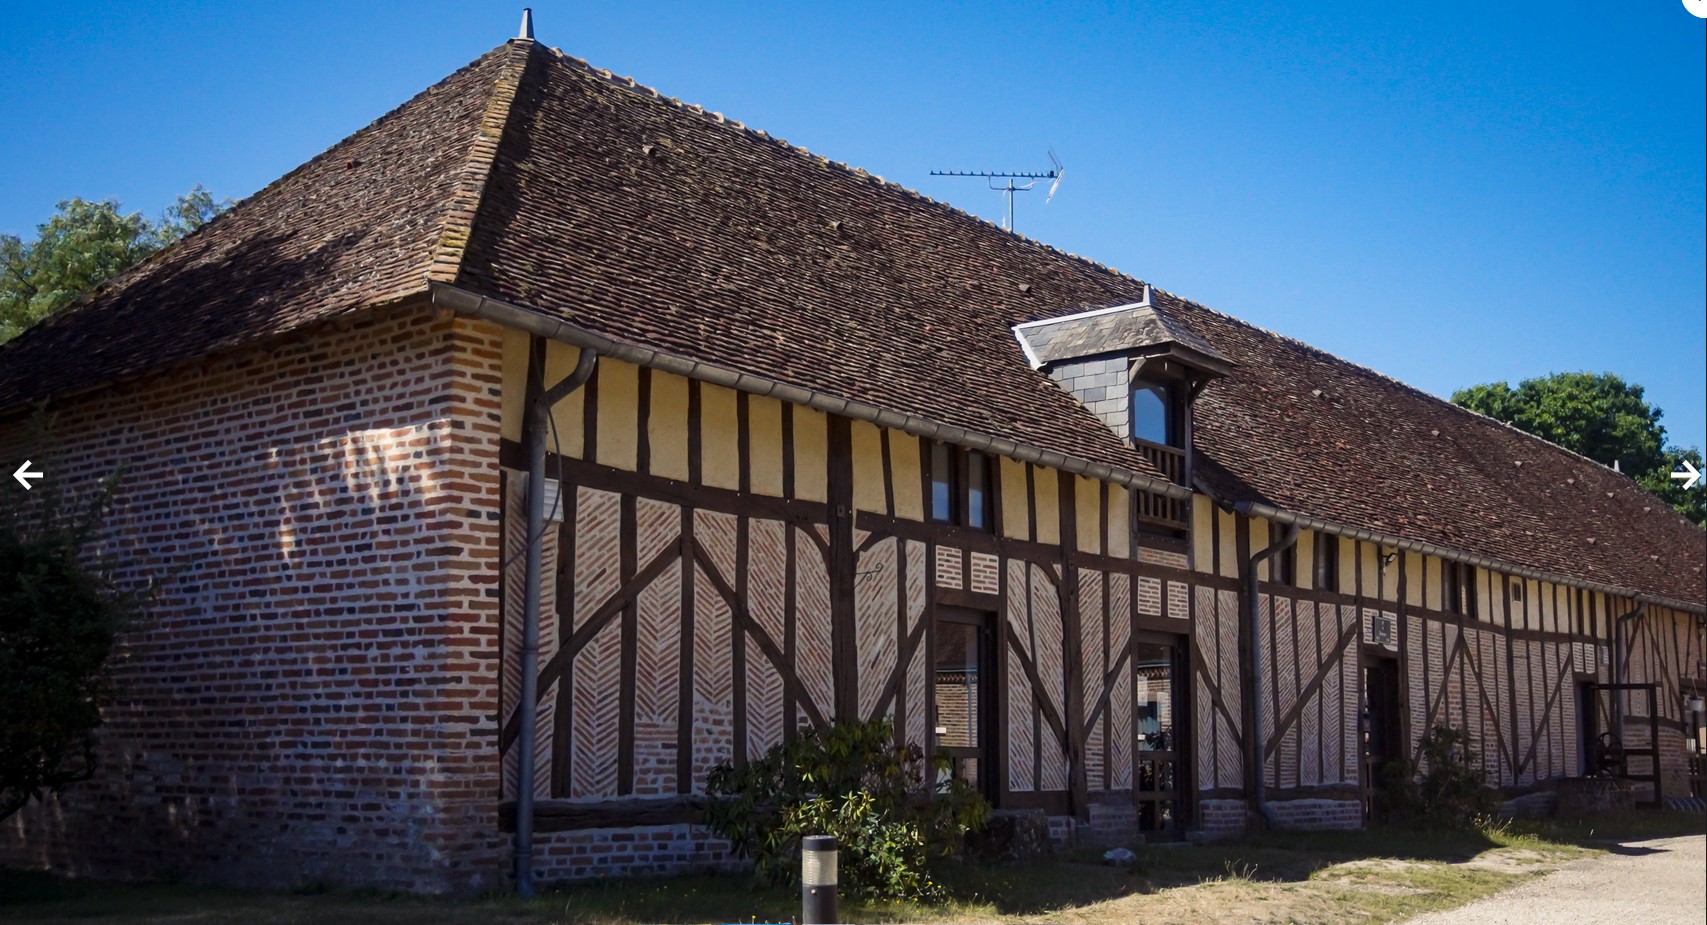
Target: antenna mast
1009, 184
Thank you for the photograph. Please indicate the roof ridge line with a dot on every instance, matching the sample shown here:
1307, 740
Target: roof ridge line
859, 173
444, 265
118, 280
1406, 386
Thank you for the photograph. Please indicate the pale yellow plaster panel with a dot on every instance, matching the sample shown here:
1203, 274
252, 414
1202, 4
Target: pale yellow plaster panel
811, 477
514, 391
904, 467
667, 427
1087, 500
719, 437
868, 467
1119, 529
1369, 567
764, 430
1227, 557
1413, 578
1202, 535
1305, 556
1015, 514
1048, 501
619, 396
1431, 583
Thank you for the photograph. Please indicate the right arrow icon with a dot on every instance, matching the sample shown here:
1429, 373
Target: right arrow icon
1690, 477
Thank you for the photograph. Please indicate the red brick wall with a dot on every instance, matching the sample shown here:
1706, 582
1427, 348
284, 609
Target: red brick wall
313, 694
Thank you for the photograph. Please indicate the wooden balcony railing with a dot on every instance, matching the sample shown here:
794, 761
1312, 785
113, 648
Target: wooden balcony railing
1160, 509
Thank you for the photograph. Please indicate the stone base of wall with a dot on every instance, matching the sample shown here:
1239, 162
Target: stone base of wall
1217, 819
645, 851
1063, 831
1111, 825
1538, 805
1318, 815
1584, 796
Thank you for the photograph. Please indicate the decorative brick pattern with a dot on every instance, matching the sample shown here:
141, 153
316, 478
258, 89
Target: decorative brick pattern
950, 567
986, 573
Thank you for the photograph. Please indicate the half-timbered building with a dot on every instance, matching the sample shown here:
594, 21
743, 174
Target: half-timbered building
549, 441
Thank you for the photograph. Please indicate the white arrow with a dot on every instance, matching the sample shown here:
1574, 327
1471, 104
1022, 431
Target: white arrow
1690, 477
23, 475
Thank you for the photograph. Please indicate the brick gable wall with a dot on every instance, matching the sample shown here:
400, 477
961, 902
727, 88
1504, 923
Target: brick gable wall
313, 693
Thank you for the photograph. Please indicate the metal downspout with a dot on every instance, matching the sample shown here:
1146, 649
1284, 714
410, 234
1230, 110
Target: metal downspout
1253, 729
538, 422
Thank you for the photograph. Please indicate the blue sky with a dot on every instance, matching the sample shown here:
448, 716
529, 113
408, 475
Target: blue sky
1449, 193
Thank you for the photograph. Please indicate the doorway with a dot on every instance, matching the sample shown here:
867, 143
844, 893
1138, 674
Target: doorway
964, 693
1158, 778
1383, 735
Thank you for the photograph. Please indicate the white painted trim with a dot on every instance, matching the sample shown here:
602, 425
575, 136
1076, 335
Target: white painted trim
1143, 303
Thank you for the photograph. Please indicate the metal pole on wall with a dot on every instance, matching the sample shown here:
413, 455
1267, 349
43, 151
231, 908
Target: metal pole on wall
818, 880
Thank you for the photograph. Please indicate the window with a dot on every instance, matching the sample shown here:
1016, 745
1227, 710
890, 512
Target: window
1285, 569
1460, 588
962, 488
1327, 562
1155, 414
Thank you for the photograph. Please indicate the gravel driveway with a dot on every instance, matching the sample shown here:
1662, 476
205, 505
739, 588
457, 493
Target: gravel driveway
1658, 882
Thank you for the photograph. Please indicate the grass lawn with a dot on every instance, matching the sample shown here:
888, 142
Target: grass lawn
1363, 877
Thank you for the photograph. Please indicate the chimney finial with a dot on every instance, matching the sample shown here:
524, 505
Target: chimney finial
527, 24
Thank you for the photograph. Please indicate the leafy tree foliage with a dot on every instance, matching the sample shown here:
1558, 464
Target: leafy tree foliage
82, 246
1601, 416
890, 808
59, 615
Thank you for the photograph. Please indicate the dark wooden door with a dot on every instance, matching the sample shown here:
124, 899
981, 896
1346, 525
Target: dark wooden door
1382, 734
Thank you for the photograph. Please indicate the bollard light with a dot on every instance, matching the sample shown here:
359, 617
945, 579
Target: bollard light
818, 880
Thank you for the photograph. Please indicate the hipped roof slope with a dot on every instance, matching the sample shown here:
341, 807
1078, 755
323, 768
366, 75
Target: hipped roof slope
532, 178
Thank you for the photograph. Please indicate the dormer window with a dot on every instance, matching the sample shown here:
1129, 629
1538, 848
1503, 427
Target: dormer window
1156, 416
1133, 366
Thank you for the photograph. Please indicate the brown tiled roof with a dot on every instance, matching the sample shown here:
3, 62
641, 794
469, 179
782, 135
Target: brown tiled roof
358, 225
645, 220
1309, 432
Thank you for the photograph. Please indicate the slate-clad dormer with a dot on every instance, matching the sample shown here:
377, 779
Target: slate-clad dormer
1135, 368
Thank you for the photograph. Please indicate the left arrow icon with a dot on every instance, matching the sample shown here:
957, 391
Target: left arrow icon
23, 475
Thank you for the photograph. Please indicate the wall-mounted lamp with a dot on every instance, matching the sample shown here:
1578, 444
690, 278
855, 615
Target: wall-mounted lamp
1387, 559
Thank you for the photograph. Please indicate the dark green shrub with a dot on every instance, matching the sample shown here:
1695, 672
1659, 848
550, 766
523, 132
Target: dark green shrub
1451, 793
882, 802
59, 613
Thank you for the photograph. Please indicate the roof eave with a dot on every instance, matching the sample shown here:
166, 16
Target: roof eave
1279, 515
474, 304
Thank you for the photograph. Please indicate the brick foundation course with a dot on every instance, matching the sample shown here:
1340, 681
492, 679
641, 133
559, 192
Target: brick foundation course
312, 696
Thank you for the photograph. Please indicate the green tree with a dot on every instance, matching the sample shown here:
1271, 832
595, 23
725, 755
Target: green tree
1600, 416
82, 246
59, 614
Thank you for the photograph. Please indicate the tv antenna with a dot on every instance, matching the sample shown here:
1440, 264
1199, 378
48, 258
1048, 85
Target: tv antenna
1010, 182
